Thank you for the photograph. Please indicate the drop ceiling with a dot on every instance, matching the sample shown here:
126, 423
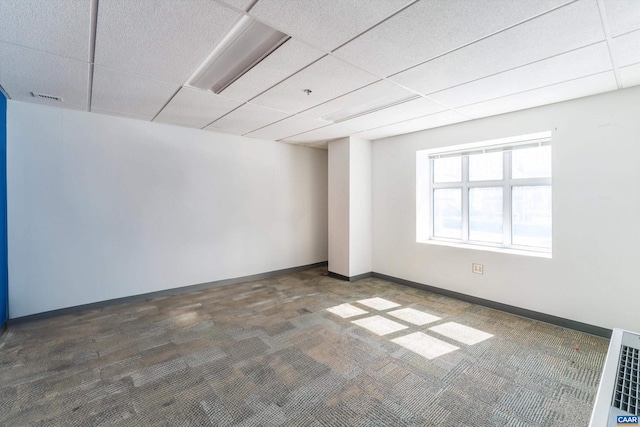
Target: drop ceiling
363, 68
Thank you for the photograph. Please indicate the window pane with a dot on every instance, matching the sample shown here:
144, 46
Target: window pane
485, 214
531, 223
531, 162
448, 169
486, 166
447, 213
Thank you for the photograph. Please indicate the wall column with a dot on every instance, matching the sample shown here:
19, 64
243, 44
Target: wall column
350, 219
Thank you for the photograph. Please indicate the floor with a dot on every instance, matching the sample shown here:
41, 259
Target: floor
298, 350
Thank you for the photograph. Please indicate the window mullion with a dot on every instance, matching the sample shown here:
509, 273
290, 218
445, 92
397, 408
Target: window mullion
506, 199
465, 198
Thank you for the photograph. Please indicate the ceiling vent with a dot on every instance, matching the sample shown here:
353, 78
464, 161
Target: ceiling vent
48, 97
248, 43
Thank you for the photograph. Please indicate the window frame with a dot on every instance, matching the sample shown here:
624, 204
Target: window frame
507, 183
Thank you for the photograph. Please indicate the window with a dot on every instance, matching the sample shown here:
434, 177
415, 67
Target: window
492, 194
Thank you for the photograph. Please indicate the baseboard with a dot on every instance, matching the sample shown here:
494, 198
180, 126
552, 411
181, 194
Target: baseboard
163, 293
350, 278
518, 311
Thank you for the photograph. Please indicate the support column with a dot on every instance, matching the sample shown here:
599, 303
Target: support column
350, 217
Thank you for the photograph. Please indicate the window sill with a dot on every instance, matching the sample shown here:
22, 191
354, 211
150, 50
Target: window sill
510, 251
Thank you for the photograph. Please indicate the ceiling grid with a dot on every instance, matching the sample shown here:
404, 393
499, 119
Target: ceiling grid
369, 68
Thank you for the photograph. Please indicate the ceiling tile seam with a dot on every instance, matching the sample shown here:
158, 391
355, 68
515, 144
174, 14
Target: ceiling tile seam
538, 88
167, 103
92, 51
339, 96
235, 9
300, 133
609, 39
413, 118
512, 69
253, 3
282, 30
224, 115
82, 61
121, 114
637, 30
483, 38
140, 76
281, 81
273, 123
402, 9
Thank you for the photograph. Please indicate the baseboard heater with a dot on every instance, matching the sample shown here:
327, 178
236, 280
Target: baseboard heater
618, 398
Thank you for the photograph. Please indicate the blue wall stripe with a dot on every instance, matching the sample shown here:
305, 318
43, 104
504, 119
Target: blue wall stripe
4, 276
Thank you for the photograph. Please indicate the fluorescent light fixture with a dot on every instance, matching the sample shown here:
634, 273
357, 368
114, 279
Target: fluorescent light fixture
248, 43
369, 107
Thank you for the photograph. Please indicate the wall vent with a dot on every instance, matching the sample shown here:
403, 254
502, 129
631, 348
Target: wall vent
619, 390
49, 97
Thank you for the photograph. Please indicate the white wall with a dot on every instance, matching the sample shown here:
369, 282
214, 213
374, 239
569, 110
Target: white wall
592, 276
101, 207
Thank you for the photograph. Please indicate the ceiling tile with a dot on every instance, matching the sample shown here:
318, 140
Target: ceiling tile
562, 30
406, 110
366, 98
238, 4
626, 49
195, 108
62, 27
162, 40
328, 78
127, 94
630, 76
623, 16
290, 126
247, 118
23, 71
286, 60
420, 123
430, 28
114, 113
325, 24
578, 88
578, 63
323, 134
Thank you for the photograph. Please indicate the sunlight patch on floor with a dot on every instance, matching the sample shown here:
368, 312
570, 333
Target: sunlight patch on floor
416, 317
464, 334
424, 345
346, 310
378, 303
379, 325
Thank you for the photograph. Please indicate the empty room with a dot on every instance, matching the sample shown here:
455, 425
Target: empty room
319, 212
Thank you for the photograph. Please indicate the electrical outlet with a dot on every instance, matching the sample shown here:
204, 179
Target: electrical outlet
477, 268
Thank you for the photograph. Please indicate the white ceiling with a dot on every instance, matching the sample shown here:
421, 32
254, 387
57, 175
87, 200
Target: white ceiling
375, 68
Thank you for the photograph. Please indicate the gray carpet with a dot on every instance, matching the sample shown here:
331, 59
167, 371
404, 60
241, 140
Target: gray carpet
269, 353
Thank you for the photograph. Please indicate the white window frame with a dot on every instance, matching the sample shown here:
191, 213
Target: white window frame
506, 146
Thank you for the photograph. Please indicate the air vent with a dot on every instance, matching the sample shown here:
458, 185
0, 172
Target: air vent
49, 97
626, 394
618, 395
